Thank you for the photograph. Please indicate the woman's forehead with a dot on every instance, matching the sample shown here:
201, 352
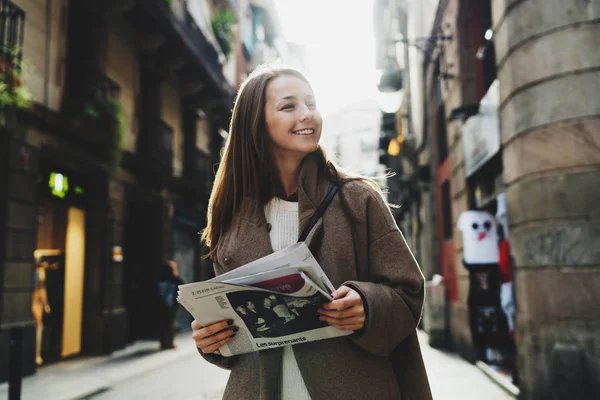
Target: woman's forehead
287, 86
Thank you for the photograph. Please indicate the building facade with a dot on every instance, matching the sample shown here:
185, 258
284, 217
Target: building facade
510, 118
107, 173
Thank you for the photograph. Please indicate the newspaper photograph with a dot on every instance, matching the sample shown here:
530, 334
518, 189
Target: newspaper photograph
271, 308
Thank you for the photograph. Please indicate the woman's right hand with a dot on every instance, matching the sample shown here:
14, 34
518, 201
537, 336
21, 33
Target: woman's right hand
209, 338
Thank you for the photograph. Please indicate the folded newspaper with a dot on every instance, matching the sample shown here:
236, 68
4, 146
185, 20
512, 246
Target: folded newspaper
273, 301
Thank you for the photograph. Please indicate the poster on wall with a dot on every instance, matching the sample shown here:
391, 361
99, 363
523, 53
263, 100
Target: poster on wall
481, 132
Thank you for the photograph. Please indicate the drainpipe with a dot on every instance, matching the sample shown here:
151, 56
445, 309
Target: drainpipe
47, 50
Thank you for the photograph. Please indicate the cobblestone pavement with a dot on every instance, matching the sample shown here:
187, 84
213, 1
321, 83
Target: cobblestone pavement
142, 372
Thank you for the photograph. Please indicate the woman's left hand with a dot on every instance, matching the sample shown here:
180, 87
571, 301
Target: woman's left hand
346, 311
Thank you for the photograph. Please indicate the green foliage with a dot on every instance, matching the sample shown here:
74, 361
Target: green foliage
109, 112
13, 92
118, 119
222, 22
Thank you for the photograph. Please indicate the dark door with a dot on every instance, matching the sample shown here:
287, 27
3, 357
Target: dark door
142, 257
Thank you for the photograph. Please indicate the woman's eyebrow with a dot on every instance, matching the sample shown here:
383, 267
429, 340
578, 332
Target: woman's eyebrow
292, 97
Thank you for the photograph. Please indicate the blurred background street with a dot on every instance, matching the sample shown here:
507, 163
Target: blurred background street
142, 372
479, 118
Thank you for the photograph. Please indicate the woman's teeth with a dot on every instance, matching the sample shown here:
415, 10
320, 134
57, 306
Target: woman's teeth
304, 132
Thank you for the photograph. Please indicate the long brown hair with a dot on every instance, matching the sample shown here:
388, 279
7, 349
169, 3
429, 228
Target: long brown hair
247, 168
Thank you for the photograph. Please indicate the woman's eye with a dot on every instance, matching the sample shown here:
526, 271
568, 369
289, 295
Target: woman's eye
312, 106
288, 107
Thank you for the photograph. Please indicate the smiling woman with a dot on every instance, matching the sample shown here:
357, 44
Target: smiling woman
272, 152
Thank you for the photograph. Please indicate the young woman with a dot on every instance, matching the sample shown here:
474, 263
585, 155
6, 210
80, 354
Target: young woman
272, 178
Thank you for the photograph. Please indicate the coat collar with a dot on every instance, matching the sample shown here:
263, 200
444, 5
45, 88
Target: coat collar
312, 189
252, 241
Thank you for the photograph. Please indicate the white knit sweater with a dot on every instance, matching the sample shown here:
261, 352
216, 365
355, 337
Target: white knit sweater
283, 219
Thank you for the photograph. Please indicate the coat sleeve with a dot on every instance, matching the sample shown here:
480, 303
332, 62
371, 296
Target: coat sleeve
394, 291
218, 360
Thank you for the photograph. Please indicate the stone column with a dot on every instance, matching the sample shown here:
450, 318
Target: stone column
549, 72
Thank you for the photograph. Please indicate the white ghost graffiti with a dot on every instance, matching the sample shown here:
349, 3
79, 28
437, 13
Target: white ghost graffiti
480, 238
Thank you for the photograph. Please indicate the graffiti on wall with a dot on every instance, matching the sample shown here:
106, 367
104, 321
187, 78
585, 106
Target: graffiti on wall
564, 245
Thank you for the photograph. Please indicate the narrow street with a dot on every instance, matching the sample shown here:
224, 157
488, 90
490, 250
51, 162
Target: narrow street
141, 372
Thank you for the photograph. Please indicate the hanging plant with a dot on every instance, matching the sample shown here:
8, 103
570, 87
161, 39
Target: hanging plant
120, 124
109, 114
13, 92
222, 22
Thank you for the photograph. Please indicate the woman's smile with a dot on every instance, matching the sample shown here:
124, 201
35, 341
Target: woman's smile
308, 131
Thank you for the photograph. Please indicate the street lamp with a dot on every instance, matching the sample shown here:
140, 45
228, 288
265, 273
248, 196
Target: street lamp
390, 87
482, 50
389, 79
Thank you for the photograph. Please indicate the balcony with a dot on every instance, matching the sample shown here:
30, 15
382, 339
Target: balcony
175, 44
198, 176
12, 30
155, 147
203, 176
86, 118
87, 108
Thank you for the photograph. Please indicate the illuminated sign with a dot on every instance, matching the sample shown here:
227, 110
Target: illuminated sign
67, 187
58, 184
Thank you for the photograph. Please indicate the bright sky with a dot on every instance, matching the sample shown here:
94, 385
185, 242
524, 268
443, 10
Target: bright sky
340, 47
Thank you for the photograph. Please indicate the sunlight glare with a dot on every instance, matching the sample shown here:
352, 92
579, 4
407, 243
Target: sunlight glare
340, 48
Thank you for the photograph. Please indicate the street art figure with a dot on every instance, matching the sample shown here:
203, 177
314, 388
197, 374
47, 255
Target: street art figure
480, 257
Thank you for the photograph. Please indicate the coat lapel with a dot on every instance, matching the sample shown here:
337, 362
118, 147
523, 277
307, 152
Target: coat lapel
246, 240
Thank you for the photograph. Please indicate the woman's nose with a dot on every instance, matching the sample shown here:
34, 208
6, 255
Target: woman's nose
305, 114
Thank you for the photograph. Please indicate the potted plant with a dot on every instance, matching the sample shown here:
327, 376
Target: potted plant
107, 113
222, 22
13, 92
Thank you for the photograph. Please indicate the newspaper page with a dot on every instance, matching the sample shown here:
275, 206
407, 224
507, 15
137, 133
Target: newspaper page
296, 254
278, 310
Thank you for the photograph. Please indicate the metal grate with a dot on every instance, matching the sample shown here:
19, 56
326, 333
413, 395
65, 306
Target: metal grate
12, 29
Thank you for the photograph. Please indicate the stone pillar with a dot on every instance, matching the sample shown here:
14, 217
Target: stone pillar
549, 72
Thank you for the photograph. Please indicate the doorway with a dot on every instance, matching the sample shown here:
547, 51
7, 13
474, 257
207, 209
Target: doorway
142, 257
57, 303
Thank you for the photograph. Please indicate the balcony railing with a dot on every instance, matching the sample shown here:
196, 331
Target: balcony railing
156, 143
12, 30
202, 45
102, 86
86, 107
203, 175
85, 101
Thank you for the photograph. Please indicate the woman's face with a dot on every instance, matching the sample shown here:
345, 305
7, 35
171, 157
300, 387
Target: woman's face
293, 122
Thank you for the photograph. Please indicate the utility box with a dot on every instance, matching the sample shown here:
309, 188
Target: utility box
435, 313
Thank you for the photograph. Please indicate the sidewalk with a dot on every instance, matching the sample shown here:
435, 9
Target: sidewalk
86, 377
142, 372
451, 377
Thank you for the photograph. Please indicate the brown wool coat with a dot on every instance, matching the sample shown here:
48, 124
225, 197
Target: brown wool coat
382, 362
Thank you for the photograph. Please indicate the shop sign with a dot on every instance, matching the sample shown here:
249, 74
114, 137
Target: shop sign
481, 132
62, 186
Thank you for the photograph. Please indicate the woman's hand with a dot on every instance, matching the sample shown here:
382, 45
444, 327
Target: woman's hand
346, 311
209, 338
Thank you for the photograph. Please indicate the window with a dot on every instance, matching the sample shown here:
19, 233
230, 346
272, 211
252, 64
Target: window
488, 60
441, 139
446, 211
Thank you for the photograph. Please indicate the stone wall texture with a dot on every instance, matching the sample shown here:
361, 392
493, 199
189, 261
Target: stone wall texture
549, 74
